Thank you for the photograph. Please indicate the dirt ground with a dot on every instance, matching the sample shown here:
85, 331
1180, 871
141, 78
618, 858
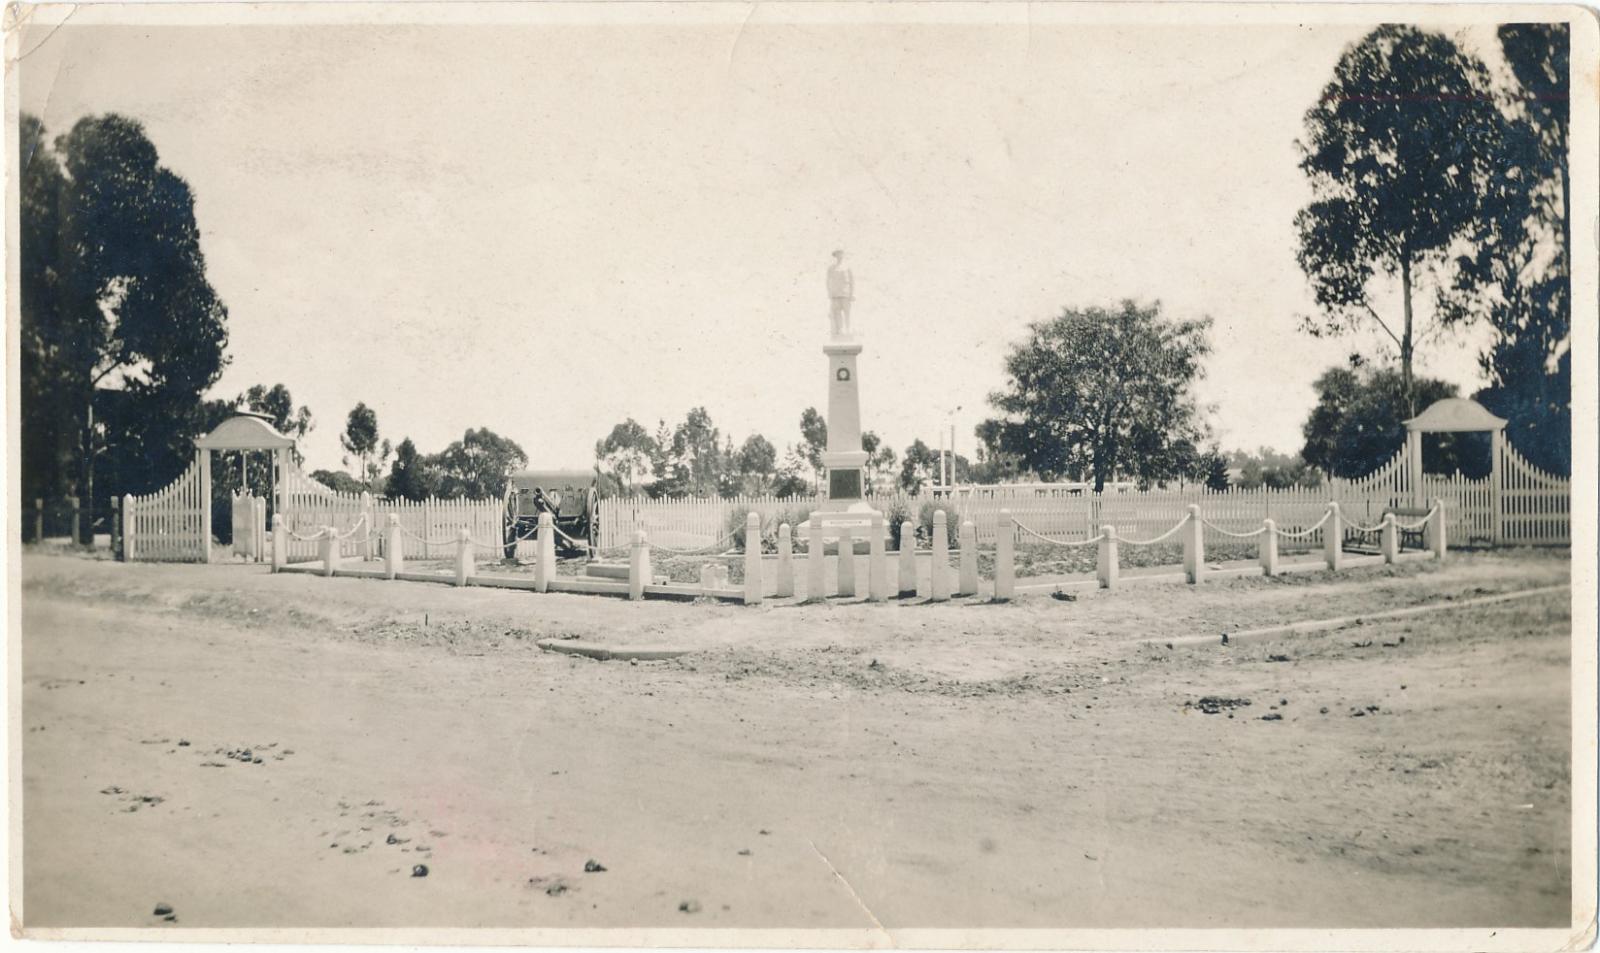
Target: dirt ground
258, 750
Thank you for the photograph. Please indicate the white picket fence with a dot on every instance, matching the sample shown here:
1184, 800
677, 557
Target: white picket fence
169, 524
428, 527
1533, 508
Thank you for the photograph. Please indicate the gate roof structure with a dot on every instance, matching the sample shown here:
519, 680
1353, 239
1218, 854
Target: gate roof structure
244, 431
1455, 415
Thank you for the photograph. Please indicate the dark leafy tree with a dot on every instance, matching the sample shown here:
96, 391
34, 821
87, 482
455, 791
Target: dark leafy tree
1098, 391
756, 464
412, 476
1358, 425
115, 298
1397, 151
880, 459
1515, 273
919, 465
478, 466
276, 402
360, 440
697, 445
338, 480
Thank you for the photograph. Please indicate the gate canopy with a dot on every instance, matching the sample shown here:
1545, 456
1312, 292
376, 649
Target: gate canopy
1455, 415
244, 432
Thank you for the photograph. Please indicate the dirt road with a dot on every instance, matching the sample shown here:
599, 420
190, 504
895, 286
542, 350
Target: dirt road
843, 765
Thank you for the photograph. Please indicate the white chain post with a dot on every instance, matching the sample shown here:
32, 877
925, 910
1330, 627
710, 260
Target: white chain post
877, 560
752, 559
394, 549
816, 581
1436, 530
939, 569
1194, 546
329, 544
544, 552
968, 560
847, 562
1005, 557
1269, 548
463, 556
908, 559
785, 586
1390, 539
1106, 561
1333, 537
280, 543
638, 565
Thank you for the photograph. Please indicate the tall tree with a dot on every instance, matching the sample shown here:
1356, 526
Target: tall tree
626, 453
814, 442
918, 465
479, 465
121, 302
412, 476
1397, 152
880, 459
360, 440
698, 444
1097, 391
1515, 273
756, 464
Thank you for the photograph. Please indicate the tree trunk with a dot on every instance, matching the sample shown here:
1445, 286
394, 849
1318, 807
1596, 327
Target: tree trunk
1406, 347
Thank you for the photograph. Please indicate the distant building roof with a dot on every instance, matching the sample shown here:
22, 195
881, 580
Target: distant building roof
1455, 415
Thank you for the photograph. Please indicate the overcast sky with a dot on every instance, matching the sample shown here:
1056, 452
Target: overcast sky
545, 229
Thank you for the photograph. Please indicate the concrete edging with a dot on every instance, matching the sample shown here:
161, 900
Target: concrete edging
1340, 622
607, 653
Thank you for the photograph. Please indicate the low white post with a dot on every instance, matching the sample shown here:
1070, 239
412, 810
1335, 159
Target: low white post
847, 562
967, 582
328, 543
752, 559
1435, 531
939, 568
1005, 557
816, 585
280, 544
544, 552
394, 549
877, 561
1269, 548
638, 565
1390, 539
258, 528
785, 586
463, 556
908, 559
1333, 537
1194, 545
371, 527
1106, 561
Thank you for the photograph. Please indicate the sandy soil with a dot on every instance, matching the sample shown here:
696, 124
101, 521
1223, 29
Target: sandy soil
840, 765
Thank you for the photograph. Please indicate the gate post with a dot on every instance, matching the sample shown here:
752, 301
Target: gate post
205, 505
77, 524
38, 521
785, 588
1497, 477
130, 528
280, 546
116, 527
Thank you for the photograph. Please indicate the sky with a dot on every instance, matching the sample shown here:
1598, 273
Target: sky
545, 228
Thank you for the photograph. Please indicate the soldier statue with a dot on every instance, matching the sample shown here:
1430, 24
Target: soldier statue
841, 291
